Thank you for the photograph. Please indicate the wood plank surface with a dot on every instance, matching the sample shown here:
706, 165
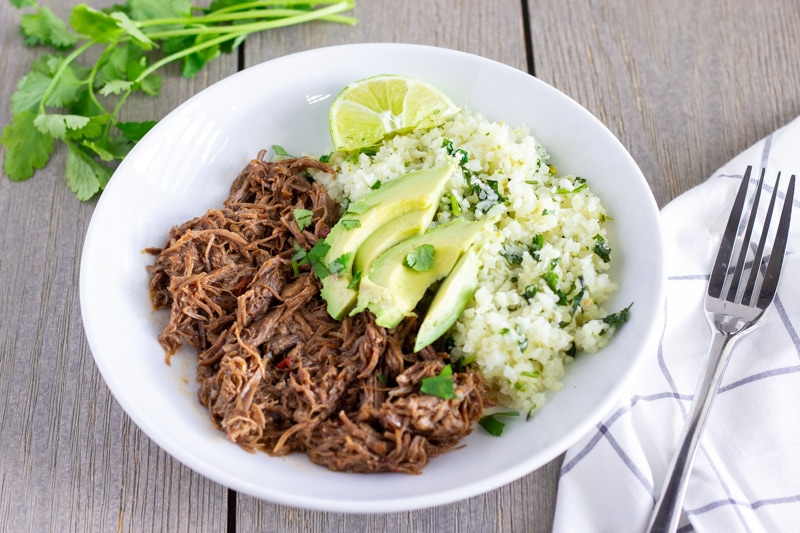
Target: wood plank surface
684, 85
70, 458
490, 29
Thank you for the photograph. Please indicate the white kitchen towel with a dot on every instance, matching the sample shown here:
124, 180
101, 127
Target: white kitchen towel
746, 475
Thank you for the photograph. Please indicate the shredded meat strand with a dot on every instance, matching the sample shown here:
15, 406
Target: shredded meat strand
276, 372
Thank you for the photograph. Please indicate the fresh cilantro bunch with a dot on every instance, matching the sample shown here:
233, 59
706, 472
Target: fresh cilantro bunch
62, 100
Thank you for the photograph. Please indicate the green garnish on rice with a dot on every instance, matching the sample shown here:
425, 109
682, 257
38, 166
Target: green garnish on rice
544, 266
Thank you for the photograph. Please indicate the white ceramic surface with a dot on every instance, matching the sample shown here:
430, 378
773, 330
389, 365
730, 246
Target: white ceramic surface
185, 165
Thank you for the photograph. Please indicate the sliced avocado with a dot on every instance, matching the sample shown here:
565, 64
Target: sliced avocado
392, 290
396, 230
414, 191
451, 298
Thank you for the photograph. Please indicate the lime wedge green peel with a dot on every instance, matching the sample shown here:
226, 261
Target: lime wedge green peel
369, 110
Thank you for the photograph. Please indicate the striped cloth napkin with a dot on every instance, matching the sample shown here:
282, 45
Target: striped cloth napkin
746, 474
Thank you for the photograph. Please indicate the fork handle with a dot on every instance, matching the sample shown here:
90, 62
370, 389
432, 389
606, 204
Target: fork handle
667, 511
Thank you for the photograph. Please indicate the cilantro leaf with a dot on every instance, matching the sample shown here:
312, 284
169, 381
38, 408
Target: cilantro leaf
618, 318
116, 87
551, 278
601, 248
30, 91
134, 131
91, 129
315, 257
441, 386
421, 258
299, 252
320, 270
553, 281
134, 67
87, 106
356, 281
576, 300
512, 254
194, 62
132, 29
99, 26
85, 176
351, 223
151, 85
109, 148
530, 292
57, 125
357, 208
159, 9
115, 66
303, 218
578, 185
280, 151
536, 245
27, 147
341, 263
23, 3
176, 44
493, 425
70, 83
44, 27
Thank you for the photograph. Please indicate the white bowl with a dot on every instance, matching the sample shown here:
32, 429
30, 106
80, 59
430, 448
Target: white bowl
185, 165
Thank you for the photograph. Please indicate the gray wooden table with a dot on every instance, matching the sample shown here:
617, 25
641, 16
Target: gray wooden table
684, 85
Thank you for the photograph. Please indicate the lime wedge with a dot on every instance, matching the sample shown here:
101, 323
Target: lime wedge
369, 110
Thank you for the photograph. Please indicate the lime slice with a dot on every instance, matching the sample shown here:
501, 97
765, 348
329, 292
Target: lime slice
369, 110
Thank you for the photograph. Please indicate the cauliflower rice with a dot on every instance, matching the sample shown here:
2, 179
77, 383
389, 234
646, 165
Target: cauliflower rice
542, 283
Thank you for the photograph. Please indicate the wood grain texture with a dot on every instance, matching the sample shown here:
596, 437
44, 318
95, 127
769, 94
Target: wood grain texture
70, 458
684, 85
493, 30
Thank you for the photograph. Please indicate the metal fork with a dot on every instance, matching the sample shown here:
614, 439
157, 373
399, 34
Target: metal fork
733, 305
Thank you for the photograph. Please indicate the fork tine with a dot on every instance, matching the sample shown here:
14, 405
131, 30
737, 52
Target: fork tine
762, 242
737, 273
771, 276
720, 270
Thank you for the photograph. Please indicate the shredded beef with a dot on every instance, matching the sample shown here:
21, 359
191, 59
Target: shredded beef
276, 372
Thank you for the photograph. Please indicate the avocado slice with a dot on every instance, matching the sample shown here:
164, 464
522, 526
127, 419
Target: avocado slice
391, 290
451, 298
414, 191
396, 230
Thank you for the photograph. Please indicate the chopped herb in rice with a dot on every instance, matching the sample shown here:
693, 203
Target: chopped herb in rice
544, 274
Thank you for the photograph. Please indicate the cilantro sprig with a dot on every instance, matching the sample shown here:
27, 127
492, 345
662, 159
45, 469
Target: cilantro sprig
303, 218
314, 257
421, 258
493, 424
618, 318
62, 100
601, 248
487, 193
441, 386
